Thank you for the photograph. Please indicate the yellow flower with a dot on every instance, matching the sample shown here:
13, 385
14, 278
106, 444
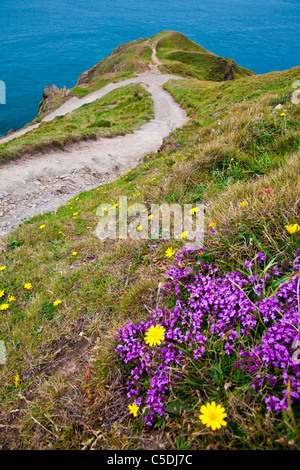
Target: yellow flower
133, 409
170, 252
11, 299
282, 114
75, 213
17, 380
116, 205
193, 210
184, 234
139, 227
2, 293
155, 335
74, 253
27, 285
150, 216
244, 203
42, 226
4, 307
56, 302
2, 268
292, 228
213, 416
212, 224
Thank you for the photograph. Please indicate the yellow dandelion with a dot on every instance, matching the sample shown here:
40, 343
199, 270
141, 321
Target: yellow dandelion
292, 228
244, 204
56, 302
27, 285
184, 234
116, 205
2, 268
155, 335
75, 213
139, 227
74, 253
42, 226
193, 210
282, 114
4, 307
11, 298
170, 252
213, 415
2, 293
133, 409
150, 216
17, 380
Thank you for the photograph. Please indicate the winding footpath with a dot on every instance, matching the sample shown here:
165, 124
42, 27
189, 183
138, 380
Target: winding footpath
35, 184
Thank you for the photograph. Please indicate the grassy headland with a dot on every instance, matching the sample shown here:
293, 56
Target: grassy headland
63, 385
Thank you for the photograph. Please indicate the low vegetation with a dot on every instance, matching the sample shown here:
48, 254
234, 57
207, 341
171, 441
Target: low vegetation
75, 311
117, 113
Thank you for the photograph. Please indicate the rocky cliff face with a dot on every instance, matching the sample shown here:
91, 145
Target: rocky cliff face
53, 97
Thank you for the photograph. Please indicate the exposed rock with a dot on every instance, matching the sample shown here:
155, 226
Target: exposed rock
50, 94
11, 131
85, 75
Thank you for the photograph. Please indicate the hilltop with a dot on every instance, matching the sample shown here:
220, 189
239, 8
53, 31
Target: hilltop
75, 310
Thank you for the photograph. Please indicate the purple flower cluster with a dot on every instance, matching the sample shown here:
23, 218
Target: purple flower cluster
253, 312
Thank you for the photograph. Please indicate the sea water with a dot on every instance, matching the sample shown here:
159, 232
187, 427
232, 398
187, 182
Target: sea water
45, 42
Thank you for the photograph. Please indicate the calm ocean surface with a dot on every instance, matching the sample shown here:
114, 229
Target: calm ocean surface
44, 42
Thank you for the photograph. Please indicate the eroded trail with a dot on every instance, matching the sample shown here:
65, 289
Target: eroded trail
35, 184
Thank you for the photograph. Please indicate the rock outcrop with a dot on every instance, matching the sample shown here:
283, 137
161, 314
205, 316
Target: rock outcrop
52, 97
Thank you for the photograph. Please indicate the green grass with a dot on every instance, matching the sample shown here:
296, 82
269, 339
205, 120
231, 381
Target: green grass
234, 144
119, 112
182, 56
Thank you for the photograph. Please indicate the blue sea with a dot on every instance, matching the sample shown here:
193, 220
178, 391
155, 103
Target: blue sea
45, 42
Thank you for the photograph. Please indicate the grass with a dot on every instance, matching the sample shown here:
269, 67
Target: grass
72, 392
119, 112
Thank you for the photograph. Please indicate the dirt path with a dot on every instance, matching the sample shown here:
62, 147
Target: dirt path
35, 184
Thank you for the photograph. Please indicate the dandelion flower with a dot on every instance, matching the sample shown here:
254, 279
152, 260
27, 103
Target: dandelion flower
282, 114
184, 234
56, 302
155, 335
292, 228
11, 299
170, 252
150, 216
2, 268
193, 210
213, 415
133, 409
4, 307
139, 227
75, 213
27, 285
74, 253
17, 380
42, 226
244, 203
2, 293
